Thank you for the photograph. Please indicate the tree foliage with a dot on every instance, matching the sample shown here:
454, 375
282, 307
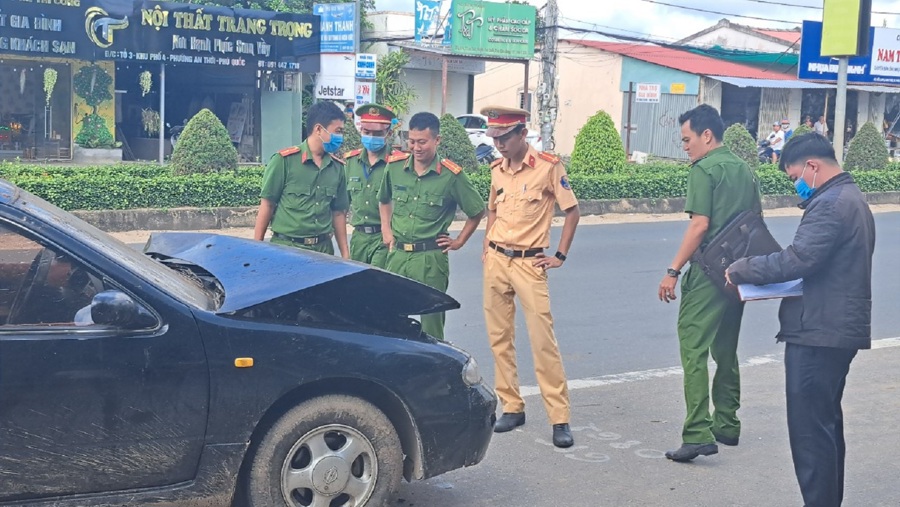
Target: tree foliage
867, 149
598, 147
455, 143
802, 129
204, 146
391, 88
352, 138
741, 143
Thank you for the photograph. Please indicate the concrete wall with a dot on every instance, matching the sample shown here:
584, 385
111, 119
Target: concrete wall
428, 86
730, 38
637, 71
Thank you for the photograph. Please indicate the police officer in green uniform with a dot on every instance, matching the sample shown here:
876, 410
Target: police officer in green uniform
720, 186
304, 189
418, 203
365, 172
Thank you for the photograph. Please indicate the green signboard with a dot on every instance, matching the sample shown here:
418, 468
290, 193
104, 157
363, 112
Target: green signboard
499, 30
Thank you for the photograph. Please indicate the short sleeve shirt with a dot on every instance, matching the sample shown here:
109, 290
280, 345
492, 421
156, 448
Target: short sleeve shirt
773, 137
305, 195
363, 183
720, 186
524, 200
425, 206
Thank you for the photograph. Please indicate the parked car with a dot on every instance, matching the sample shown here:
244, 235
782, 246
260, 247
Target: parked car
476, 127
211, 370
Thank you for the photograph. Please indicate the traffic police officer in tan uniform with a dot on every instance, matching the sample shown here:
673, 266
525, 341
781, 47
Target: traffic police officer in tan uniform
365, 171
525, 185
418, 199
304, 189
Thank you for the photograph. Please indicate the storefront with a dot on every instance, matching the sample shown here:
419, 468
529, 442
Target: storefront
114, 73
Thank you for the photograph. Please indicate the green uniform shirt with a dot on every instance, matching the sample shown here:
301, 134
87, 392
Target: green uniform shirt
424, 206
305, 195
720, 186
363, 183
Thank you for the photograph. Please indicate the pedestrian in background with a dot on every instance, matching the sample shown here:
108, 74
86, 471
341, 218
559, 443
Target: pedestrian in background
720, 186
304, 189
526, 186
823, 329
821, 126
419, 198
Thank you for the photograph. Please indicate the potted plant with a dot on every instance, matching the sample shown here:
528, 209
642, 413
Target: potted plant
94, 142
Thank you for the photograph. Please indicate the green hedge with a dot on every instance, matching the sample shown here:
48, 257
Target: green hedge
126, 186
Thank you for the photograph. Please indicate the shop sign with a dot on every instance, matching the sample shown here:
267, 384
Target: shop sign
336, 88
366, 66
338, 26
428, 19
881, 65
488, 29
159, 32
647, 93
365, 93
677, 88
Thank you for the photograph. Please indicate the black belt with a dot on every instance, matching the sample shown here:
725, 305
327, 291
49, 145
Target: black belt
367, 229
509, 252
419, 247
309, 241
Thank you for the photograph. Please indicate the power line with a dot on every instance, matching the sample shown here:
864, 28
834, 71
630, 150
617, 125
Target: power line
721, 13
782, 4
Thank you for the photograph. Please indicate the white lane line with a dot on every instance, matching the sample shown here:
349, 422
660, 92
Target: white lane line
637, 376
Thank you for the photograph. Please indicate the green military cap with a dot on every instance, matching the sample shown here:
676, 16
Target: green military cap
375, 117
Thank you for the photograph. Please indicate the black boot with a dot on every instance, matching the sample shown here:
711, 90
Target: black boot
687, 452
508, 421
562, 436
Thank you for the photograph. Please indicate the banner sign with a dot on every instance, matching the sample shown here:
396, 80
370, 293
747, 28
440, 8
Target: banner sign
428, 18
648, 92
881, 65
338, 27
366, 66
501, 30
365, 93
160, 32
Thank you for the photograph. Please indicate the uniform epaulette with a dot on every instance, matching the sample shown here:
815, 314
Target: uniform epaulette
289, 151
337, 159
397, 156
453, 166
549, 157
497, 163
353, 153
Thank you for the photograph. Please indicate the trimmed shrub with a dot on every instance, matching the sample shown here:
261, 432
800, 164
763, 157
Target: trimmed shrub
204, 146
867, 150
741, 143
94, 133
455, 144
598, 147
352, 138
802, 129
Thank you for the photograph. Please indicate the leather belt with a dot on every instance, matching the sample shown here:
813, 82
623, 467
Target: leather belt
509, 252
424, 246
308, 241
367, 229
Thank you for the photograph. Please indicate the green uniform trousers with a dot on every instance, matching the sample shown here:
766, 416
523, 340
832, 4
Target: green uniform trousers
431, 268
709, 322
368, 248
324, 247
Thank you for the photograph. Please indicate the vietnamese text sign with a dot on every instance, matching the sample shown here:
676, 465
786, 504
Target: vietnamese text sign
648, 92
366, 66
160, 32
430, 21
500, 30
338, 27
678, 88
881, 65
365, 93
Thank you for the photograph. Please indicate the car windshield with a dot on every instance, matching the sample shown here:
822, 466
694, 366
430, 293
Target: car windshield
161, 276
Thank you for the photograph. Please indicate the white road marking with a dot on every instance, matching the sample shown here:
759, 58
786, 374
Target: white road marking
637, 376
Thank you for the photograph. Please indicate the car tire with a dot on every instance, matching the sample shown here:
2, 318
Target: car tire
331, 451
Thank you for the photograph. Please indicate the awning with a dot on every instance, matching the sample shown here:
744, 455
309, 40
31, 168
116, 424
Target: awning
742, 82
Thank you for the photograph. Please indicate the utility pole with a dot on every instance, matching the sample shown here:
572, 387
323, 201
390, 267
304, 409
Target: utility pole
547, 88
840, 109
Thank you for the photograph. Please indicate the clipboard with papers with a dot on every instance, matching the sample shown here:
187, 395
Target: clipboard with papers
751, 292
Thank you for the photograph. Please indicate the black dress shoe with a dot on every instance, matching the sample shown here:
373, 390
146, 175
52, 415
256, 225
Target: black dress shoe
508, 421
562, 435
722, 439
688, 452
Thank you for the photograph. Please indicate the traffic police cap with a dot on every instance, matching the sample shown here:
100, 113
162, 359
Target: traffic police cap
375, 117
502, 120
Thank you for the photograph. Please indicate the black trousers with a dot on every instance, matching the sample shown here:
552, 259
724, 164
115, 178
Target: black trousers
814, 381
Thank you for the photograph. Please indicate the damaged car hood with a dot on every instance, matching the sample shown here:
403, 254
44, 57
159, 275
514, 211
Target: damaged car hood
255, 272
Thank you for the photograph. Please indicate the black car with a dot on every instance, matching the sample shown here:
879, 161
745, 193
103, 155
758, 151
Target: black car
210, 370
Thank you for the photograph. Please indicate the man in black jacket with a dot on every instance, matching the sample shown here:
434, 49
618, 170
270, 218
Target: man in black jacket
823, 329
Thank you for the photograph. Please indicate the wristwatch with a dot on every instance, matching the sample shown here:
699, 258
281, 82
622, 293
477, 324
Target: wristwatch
673, 272
561, 256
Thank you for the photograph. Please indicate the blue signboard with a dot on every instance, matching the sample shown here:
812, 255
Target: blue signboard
338, 27
428, 18
815, 67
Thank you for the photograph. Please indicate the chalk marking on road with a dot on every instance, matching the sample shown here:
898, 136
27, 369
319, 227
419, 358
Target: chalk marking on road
637, 376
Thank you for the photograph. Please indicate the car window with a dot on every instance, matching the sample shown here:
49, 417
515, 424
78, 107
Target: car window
42, 285
463, 121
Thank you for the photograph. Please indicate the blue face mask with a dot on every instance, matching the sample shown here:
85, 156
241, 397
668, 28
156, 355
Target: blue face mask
373, 143
334, 142
804, 190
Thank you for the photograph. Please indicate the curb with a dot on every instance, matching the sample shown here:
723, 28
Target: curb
193, 219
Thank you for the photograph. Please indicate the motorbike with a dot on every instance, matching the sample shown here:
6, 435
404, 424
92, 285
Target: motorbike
764, 152
175, 132
484, 154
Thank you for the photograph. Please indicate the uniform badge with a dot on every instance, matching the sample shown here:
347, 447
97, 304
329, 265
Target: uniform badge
493, 114
374, 111
564, 181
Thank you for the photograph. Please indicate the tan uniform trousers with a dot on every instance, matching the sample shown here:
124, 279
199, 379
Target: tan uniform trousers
505, 278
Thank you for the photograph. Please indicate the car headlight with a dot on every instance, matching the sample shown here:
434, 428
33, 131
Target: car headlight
470, 373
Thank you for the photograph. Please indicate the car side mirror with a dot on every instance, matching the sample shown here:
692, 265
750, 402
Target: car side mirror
115, 308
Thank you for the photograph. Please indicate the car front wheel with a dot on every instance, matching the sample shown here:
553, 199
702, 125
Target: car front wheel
331, 451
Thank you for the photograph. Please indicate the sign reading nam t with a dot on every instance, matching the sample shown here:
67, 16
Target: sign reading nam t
881, 65
490, 29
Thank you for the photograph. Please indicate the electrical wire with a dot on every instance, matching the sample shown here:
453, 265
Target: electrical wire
697, 9
818, 8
